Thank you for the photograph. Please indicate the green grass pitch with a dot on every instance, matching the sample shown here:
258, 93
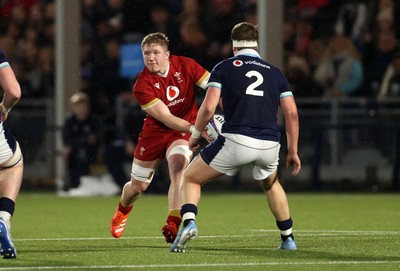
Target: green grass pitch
236, 232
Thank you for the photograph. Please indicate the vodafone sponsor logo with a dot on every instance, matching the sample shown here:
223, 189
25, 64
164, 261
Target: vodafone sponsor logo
176, 102
172, 93
237, 63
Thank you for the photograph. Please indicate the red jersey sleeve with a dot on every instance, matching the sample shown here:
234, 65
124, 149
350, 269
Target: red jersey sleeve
142, 90
198, 72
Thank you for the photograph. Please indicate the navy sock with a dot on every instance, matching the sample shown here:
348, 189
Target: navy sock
188, 208
284, 226
8, 205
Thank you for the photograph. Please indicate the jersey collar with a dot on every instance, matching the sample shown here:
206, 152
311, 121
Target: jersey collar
166, 72
248, 52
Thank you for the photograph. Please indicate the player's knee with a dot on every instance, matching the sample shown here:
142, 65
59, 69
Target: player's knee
136, 188
142, 174
176, 168
190, 177
269, 181
184, 153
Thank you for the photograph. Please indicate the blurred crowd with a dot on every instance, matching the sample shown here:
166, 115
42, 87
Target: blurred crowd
332, 48
28, 37
342, 48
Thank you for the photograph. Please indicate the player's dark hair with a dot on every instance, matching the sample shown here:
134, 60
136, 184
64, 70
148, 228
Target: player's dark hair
244, 32
156, 38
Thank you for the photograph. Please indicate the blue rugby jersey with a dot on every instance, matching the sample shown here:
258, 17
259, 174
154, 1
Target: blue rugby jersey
3, 60
251, 90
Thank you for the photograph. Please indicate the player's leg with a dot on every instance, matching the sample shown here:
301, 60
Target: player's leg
10, 182
178, 157
197, 174
265, 170
279, 206
221, 159
141, 176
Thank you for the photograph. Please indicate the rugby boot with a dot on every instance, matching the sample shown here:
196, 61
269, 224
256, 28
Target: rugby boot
288, 244
118, 223
7, 250
184, 235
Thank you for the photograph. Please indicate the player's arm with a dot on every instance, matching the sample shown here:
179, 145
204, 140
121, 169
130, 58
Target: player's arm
289, 110
206, 111
160, 112
207, 108
12, 91
202, 83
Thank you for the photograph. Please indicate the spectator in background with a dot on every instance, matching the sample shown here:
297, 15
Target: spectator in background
162, 21
46, 71
303, 34
221, 15
194, 42
35, 19
109, 84
116, 16
341, 72
190, 9
319, 14
352, 21
48, 33
250, 14
289, 38
315, 54
390, 86
300, 79
384, 16
80, 137
377, 59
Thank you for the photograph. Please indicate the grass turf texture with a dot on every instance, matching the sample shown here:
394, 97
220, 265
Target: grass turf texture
236, 232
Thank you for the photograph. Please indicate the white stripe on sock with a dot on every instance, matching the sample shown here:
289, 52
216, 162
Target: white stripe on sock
189, 215
286, 232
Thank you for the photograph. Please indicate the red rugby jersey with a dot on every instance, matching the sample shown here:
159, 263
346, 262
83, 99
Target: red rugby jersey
176, 90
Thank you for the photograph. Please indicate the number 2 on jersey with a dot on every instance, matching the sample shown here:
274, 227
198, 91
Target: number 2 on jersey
251, 89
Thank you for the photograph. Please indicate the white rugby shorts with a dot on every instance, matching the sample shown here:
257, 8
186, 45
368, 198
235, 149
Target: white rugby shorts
9, 149
230, 152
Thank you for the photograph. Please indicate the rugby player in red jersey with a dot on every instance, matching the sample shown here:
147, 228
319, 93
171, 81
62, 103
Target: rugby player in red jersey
165, 89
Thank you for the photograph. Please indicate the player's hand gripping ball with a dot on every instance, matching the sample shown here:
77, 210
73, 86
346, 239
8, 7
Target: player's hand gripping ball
214, 126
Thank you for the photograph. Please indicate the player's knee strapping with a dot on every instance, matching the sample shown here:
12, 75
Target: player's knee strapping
182, 150
142, 174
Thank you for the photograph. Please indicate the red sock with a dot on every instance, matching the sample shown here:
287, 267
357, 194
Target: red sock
124, 210
174, 219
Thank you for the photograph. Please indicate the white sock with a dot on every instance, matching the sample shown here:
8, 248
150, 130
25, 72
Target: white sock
6, 216
189, 215
286, 232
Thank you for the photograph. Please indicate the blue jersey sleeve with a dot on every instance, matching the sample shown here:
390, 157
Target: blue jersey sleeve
3, 60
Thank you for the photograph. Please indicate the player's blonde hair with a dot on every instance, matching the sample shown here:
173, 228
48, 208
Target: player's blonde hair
156, 38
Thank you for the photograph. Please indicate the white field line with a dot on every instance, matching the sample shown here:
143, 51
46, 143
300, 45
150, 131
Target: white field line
334, 232
296, 232
159, 266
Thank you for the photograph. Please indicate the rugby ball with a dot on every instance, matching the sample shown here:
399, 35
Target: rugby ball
215, 125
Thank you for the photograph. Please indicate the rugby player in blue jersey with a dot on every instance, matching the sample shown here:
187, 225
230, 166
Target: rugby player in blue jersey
251, 91
11, 164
